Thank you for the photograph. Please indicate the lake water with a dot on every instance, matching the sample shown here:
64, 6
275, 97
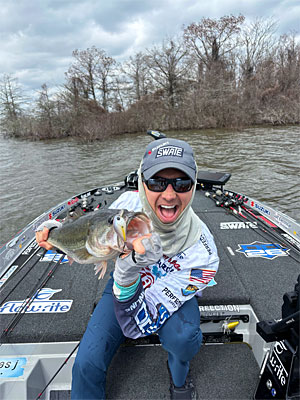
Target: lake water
35, 176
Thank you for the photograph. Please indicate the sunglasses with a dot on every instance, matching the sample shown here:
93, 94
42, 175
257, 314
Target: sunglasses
180, 185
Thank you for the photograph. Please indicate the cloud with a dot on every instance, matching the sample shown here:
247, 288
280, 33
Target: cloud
37, 37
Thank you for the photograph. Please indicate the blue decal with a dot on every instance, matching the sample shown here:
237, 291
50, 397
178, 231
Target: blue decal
12, 367
211, 283
55, 257
264, 250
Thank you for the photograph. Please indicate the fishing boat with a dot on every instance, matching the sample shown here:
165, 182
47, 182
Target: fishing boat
249, 312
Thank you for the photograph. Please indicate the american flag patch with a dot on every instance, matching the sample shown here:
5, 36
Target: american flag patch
202, 275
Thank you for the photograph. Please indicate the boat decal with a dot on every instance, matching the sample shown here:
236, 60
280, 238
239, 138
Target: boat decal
12, 367
73, 201
281, 221
221, 307
263, 250
238, 225
52, 255
8, 274
53, 214
291, 240
41, 304
30, 248
260, 207
280, 354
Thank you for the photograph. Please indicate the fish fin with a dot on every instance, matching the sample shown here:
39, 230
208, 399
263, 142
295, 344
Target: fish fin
101, 268
70, 260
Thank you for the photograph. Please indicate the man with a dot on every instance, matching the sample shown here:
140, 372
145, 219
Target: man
154, 286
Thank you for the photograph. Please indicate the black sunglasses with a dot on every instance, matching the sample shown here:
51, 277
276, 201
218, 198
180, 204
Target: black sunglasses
180, 185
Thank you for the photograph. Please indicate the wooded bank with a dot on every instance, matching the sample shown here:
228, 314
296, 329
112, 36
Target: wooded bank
221, 73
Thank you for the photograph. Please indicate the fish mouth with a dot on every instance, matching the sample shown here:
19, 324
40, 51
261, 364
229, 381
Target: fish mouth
137, 225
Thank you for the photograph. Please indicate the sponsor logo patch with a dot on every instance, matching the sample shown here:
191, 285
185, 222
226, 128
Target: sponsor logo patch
190, 289
167, 151
263, 250
201, 275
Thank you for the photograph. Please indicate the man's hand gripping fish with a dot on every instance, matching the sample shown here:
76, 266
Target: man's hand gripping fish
96, 237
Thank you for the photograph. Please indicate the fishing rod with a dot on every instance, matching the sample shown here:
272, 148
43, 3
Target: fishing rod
268, 226
221, 200
17, 271
30, 298
23, 277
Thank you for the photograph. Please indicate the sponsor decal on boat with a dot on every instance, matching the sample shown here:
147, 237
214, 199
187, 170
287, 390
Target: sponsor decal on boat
263, 250
281, 221
41, 304
8, 274
221, 307
9, 255
52, 255
73, 201
12, 367
279, 354
291, 240
53, 214
30, 248
238, 225
260, 207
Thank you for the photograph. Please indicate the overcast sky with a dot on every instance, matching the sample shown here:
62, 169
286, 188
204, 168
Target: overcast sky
37, 37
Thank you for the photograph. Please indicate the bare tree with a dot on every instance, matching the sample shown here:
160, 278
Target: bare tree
136, 70
257, 39
90, 75
169, 67
12, 101
212, 40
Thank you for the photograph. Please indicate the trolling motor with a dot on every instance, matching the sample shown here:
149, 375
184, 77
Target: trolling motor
280, 376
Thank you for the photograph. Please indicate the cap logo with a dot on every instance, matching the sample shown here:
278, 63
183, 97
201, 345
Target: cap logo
169, 151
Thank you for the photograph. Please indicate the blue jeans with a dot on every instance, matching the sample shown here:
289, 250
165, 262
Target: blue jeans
180, 336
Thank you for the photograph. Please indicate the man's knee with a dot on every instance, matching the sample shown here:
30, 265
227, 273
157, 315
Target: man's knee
184, 343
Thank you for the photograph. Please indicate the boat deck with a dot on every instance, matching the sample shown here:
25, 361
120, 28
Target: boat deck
221, 369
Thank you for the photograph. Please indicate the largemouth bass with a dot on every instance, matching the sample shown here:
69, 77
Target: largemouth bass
96, 237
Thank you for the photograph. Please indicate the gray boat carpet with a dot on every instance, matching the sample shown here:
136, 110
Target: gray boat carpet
222, 372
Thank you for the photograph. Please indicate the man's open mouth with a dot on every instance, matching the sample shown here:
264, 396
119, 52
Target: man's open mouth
168, 212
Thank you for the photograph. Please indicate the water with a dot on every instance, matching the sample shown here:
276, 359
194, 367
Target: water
35, 176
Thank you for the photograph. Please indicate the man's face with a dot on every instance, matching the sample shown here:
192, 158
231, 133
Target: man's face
168, 205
